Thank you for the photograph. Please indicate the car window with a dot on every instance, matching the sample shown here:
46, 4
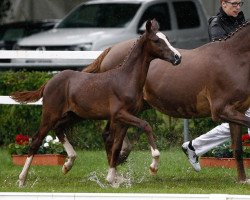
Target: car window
101, 16
160, 12
186, 14
13, 34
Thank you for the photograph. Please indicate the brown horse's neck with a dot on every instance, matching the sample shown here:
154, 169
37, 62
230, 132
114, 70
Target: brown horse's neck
240, 39
137, 62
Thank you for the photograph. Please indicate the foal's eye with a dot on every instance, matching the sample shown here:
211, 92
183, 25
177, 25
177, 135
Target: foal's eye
157, 40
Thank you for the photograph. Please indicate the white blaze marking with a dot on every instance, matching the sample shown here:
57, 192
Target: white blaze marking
162, 36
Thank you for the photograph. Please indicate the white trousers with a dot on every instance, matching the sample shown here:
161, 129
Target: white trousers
213, 138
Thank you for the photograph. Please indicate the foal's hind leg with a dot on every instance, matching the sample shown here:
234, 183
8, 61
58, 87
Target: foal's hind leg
71, 156
64, 124
36, 143
129, 119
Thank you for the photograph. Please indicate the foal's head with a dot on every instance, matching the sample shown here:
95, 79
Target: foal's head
159, 45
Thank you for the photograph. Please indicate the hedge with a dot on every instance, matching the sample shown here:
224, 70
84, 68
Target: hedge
23, 119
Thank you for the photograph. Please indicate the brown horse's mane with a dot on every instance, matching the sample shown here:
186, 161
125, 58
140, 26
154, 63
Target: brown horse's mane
241, 27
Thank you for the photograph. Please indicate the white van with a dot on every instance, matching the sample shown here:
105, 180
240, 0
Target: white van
98, 24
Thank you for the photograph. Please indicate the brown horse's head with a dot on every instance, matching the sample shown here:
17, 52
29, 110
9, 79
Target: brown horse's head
159, 44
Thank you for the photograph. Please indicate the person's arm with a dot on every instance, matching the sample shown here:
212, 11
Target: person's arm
215, 30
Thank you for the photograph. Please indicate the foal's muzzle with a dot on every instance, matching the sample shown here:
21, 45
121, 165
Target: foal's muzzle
177, 60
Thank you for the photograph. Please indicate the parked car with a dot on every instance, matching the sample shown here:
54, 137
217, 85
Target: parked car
12, 32
96, 25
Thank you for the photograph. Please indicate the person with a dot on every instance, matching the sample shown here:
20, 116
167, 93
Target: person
228, 19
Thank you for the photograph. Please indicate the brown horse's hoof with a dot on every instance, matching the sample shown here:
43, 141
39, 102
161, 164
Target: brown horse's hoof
153, 171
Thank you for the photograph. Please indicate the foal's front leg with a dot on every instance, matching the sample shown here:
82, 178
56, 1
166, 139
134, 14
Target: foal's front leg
129, 119
117, 133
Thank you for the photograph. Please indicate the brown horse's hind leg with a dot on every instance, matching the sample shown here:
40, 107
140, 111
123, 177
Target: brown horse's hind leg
237, 149
126, 145
129, 119
108, 138
125, 151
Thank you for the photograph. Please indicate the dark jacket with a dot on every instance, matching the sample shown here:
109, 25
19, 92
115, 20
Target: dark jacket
221, 25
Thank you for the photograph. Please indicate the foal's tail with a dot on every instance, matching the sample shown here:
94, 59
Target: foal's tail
95, 66
28, 96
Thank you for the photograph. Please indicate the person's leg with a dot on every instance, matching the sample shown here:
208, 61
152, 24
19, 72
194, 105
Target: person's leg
211, 139
202, 144
247, 113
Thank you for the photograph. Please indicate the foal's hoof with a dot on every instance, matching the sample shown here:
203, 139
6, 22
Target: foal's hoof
153, 171
65, 169
247, 181
21, 183
115, 183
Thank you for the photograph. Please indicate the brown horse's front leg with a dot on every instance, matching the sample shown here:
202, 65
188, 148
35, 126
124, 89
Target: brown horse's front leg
235, 131
230, 114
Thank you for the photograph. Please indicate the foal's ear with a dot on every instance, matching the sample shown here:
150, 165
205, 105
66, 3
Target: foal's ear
152, 25
148, 26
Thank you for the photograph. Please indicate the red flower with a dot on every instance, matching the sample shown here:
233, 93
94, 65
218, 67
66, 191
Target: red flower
22, 139
246, 139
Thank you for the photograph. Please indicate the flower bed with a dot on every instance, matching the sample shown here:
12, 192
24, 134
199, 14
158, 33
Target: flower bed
222, 156
51, 152
40, 159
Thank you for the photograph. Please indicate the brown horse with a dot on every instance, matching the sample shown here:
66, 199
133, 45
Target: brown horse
115, 95
212, 80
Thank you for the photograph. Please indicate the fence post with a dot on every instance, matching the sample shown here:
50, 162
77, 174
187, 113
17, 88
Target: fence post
185, 130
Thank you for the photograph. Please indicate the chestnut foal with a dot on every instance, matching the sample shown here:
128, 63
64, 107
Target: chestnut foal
115, 95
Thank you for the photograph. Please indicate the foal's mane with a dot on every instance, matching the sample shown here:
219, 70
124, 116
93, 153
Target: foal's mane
130, 51
241, 27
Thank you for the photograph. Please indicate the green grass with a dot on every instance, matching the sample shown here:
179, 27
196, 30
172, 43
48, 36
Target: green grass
90, 169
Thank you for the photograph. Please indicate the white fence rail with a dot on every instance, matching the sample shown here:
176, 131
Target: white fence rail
42, 55
120, 196
6, 100
46, 59
9, 54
